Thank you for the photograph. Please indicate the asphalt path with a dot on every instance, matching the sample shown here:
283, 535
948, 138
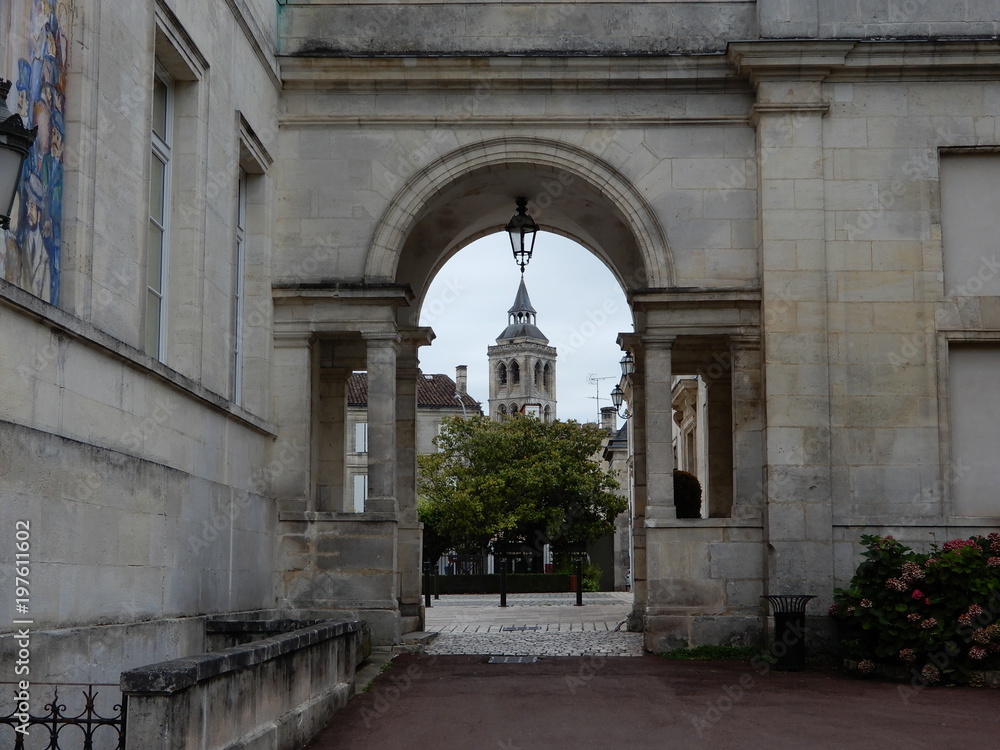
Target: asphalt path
465, 703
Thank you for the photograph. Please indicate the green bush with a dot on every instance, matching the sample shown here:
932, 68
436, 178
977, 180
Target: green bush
933, 616
687, 494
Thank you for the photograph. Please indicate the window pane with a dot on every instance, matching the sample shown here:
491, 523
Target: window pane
360, 492
160, 108
152, 324
154, 255
156, 173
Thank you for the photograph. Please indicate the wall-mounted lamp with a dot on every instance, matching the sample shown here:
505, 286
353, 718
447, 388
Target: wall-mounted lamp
15, 141
522, 229
627, 364
617, 397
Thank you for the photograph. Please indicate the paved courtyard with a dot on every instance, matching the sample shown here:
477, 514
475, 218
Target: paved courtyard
533, 625
649, 703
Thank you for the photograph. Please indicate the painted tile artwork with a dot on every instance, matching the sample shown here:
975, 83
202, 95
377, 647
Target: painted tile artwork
37, 64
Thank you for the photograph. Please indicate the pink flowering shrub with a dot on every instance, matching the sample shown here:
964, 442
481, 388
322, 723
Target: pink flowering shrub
936, 615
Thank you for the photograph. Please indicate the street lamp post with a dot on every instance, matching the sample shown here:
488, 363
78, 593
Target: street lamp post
522, 229
15, 141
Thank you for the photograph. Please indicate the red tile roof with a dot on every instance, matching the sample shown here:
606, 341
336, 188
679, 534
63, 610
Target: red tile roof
433, 392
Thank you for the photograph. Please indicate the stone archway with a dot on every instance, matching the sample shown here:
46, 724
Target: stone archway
469, 193
486, 177
373, 325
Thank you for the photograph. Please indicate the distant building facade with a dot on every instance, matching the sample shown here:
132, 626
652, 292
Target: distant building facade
522, 365
438, 397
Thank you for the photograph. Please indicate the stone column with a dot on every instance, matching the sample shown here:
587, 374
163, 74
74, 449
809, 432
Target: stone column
637, 446
408, 556
657, 375
720, 445
382, 350
748, 426
288, 474
797, 441
332, 412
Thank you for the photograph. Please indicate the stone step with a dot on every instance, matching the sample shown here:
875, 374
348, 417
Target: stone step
415, 642
408, 624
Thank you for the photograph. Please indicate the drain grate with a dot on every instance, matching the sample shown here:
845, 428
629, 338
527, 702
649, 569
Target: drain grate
512, 660
510, 628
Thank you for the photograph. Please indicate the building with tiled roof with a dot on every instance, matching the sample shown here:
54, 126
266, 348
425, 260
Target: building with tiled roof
438, 397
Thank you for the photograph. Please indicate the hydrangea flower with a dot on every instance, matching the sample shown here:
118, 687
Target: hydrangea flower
913, 617
895, 584
866, 603
917, 594
994, 562
977, 652
866, 666
912, 572
929, 623
908, 655
958, 544
930, 673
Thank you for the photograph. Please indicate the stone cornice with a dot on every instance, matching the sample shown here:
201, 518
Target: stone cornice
857, 60
708, 73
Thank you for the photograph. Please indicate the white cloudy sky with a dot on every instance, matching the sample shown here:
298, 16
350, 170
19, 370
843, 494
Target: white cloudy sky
581, 309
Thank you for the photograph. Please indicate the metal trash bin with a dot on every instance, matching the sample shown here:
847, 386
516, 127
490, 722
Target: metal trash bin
789, 642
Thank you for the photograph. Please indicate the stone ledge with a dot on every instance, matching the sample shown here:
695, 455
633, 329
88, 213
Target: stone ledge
173, 676
316, 516
703, 523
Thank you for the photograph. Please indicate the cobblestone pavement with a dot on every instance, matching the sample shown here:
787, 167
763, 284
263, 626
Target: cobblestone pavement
546, 625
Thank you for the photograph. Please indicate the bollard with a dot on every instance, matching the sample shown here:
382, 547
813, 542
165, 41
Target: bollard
579, 582
503, 581
437, 584
427, 584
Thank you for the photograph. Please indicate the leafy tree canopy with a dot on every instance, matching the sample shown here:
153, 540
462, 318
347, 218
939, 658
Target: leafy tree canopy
521, 481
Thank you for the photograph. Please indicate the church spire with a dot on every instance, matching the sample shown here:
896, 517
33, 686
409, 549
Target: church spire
521, 302
521, 319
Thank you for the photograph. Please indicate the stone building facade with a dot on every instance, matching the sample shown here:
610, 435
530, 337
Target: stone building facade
254, 197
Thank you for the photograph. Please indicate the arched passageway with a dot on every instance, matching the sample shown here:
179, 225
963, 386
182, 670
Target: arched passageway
372, 326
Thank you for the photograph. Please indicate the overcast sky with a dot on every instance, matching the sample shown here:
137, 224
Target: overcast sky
581, 309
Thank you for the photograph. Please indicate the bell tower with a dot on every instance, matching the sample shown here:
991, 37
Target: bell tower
522, 365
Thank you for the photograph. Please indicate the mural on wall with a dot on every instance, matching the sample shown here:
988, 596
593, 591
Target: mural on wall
37, 50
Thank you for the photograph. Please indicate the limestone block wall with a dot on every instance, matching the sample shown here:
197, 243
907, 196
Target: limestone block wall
889, 300
224, 70
687, 153
309, 27
851, 19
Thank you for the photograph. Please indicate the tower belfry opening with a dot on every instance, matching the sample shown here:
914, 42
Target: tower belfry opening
522, 365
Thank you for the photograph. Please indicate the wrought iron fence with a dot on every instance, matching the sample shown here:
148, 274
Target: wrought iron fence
75, 729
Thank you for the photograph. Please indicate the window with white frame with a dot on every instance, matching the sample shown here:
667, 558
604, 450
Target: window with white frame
161, 142
360, 492
361, 437
239, 269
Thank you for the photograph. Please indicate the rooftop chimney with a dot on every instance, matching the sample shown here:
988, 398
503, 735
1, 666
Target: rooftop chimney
609, 419
462, 379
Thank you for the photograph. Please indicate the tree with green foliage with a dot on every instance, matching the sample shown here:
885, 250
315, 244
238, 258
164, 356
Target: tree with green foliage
521, 482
